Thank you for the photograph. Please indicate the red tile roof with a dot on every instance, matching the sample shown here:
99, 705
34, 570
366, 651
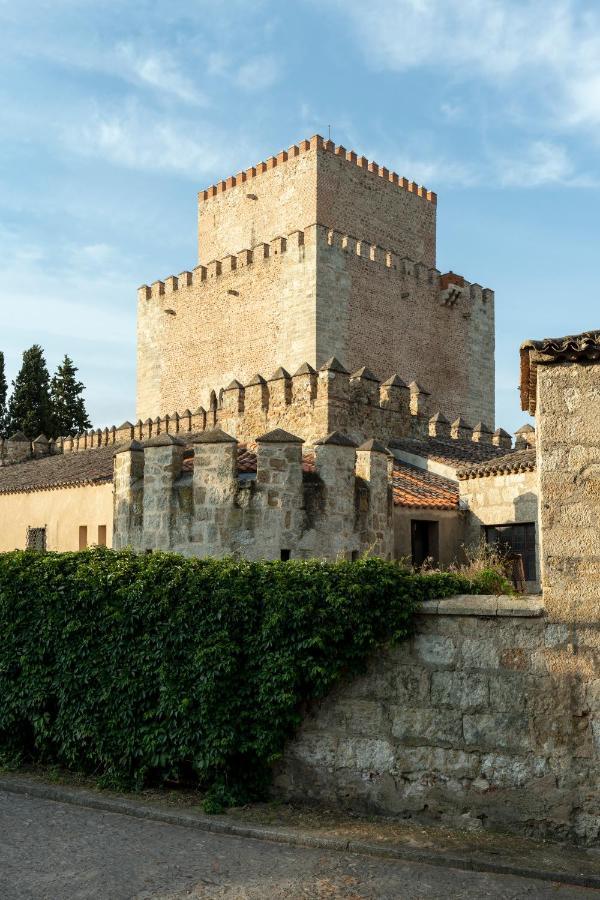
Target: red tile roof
516, 461
418, 489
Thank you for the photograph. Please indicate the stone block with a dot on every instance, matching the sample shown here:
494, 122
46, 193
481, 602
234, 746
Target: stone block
434, 650
430, 726
365, 755
469, 605
498, 731
465, 690
480, 654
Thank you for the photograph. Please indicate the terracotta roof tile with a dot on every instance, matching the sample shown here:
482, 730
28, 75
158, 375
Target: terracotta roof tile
516, 461
419, 489
584, 347
60, 471
448, 451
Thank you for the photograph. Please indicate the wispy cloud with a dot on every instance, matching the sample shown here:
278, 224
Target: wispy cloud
540, 51
258, 74
135, 138
157, 70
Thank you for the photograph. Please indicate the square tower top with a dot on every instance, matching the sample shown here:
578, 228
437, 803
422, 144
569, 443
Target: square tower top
316, 182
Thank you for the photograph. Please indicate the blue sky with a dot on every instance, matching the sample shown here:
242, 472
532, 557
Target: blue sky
113, 114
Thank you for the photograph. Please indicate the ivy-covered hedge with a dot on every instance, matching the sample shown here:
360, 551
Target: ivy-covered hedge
147, 668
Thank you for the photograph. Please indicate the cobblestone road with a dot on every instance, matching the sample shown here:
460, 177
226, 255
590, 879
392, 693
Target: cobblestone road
54, 851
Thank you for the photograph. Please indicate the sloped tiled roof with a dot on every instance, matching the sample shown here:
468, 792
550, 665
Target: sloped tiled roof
60, 471
412, 487
448, 451
517, 461
418, 489
584, 347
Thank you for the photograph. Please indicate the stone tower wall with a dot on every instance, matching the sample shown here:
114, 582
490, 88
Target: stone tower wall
307, 297
244, 314
317, 182
393, 314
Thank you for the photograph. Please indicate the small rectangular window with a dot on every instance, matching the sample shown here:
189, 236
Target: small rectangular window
83, 537
36, 539
515, 539
102, 535
355, 555
285, 555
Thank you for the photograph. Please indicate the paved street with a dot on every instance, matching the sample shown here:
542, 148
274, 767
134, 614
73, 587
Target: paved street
55, 851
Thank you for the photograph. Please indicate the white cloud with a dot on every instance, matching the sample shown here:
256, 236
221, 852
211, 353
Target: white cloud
137, 139
157, 69
548, 52
258, 74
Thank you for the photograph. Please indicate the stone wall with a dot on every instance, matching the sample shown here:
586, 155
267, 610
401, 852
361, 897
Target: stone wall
305, 298
317, 182
248, 313
501, 500
394, 314
205, 506
568, 462
481, 720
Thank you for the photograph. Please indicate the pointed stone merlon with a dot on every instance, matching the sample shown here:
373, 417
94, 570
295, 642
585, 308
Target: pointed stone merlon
482, 434
460, 430
418, 399
163, 459
525, 437
335, 462
40, 446
334, 381
279, 486
215, 473
128, 495
439, 426
394, 394
374, 464
502, 438
364, 387
17, 448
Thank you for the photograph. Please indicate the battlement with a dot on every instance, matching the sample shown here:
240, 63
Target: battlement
317, 143
310, 403
452, 287
203, 503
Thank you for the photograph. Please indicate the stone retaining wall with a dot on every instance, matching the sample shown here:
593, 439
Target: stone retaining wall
490, 716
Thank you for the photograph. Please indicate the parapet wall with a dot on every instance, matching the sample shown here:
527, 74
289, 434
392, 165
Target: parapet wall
489, 717
204, 505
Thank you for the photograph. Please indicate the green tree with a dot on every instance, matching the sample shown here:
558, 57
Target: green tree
3, 392
68, 406
30, 409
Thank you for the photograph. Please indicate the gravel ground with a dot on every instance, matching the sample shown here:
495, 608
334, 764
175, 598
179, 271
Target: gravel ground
56, 851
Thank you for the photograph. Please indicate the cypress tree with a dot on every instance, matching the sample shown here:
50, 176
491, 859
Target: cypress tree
68, 406
30, 409
3, 392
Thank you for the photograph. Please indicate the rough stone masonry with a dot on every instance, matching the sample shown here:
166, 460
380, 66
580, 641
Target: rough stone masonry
315, 253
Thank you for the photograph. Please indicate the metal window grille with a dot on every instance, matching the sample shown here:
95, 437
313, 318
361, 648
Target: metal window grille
516, 539
36, 539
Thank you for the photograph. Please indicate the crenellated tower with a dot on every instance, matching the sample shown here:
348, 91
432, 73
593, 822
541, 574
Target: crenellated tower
313, 254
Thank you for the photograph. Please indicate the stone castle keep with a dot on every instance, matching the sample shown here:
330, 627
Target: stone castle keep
315, 387
315, 253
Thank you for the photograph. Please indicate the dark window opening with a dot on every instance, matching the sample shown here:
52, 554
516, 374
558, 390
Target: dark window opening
424, 541
36, 539
515, 539
285, 555
355, 555
102, 535
83, 542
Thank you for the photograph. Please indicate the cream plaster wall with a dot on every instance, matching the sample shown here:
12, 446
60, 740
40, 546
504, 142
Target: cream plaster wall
61, 511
